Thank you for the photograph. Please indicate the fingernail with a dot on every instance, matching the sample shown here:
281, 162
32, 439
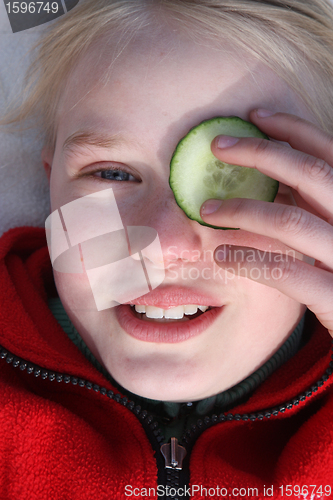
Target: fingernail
225, 141
264, 113
210, 206
221, 253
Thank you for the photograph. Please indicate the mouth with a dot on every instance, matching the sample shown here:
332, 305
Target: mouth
163, 329
181, 313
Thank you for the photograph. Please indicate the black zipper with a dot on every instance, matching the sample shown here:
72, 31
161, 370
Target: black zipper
173, 480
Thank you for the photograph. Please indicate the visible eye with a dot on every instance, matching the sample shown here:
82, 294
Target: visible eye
117, 175
114, 174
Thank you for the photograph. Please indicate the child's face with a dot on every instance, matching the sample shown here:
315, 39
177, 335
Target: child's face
156, 93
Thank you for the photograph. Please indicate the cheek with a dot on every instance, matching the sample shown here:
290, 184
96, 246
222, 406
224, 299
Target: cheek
59, 194
75, 292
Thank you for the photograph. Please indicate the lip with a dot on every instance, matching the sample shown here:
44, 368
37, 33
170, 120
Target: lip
167, 297
169, 333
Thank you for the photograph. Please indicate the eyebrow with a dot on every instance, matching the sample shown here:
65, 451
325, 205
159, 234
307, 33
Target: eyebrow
85, 138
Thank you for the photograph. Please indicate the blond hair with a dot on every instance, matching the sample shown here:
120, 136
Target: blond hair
292, 37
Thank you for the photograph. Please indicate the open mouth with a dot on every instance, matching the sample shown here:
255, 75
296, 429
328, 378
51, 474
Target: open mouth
172, 315
161, 329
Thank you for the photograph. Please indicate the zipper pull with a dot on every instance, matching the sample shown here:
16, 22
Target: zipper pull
173, 454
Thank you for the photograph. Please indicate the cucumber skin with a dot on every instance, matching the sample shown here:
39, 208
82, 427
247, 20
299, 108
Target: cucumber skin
225, 118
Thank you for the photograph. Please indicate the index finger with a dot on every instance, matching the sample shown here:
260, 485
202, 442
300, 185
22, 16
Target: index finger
310, 176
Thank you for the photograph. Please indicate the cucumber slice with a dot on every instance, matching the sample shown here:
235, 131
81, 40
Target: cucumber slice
196, 175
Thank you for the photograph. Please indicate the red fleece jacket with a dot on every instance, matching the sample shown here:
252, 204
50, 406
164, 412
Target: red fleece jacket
64, 435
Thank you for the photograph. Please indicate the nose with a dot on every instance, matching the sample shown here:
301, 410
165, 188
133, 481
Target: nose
179, 236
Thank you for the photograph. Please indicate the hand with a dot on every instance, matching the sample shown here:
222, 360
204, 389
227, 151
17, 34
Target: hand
307, 167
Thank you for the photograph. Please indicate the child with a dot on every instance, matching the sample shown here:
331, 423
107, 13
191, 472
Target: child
235, 401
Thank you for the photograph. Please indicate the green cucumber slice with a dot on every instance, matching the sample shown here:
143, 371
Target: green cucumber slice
196, 175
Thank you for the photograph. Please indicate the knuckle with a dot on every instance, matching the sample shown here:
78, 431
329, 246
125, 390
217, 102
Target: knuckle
289, 219
237, 206
318, 170
284, 270
261, 146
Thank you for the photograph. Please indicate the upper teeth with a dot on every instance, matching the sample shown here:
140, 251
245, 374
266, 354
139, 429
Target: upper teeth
176, 312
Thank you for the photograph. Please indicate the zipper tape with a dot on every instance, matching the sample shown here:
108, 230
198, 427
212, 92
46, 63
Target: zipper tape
148, 419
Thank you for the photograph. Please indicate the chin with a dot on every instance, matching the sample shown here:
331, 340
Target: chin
162, 390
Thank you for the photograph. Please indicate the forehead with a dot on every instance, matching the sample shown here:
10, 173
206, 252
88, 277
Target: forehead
160, 87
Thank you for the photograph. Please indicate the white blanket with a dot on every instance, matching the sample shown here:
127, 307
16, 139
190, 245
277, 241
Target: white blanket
24, 192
